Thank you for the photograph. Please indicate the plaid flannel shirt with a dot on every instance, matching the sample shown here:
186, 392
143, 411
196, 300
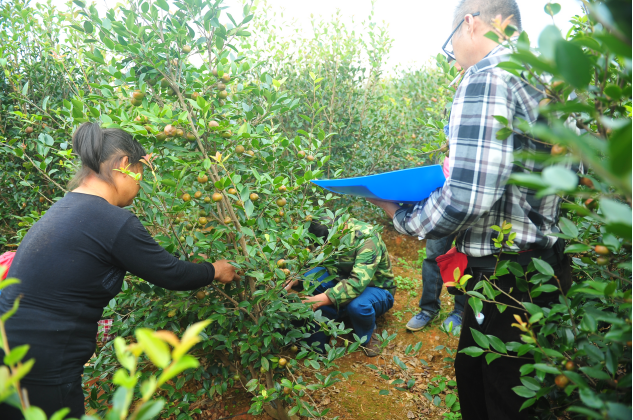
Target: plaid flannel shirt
476, 195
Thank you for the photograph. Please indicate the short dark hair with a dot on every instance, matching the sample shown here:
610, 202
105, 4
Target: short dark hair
319, 230
101, 150
488, 10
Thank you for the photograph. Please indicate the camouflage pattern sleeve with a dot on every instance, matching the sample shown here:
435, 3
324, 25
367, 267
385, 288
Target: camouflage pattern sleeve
366, 263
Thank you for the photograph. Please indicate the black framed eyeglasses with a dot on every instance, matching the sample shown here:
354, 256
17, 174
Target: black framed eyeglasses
448, 45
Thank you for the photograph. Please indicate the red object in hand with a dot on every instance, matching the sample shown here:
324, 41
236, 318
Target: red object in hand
5, 261
449, 262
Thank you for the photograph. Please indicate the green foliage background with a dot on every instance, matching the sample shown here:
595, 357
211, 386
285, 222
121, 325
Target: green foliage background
325, 95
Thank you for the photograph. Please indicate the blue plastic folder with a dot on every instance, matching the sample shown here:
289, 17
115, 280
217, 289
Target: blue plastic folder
403, 186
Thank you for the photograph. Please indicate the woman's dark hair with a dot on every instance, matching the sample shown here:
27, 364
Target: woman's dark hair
101, 151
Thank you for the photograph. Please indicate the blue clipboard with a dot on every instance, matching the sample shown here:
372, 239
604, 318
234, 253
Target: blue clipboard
403, 186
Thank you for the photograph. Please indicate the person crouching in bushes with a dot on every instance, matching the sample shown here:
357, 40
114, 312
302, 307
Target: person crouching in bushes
363, 287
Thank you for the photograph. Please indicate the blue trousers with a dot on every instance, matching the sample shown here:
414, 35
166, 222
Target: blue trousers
432, 280
361, 312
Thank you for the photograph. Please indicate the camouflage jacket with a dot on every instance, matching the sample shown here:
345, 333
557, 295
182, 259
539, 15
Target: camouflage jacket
365, 264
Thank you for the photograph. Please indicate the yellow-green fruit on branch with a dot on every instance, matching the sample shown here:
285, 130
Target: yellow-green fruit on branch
138, 95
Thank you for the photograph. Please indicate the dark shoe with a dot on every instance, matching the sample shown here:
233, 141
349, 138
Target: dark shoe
372, 349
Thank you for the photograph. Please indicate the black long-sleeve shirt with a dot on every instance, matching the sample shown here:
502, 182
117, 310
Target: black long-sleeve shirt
71, 263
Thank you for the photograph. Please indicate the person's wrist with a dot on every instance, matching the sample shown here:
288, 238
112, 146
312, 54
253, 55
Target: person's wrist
325, 300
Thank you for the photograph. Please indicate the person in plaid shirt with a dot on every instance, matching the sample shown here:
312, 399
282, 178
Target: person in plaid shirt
477, 196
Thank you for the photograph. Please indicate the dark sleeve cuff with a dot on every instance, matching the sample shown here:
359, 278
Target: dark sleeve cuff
211, 270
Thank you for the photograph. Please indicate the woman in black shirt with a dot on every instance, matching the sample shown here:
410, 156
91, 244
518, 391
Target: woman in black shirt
72, 262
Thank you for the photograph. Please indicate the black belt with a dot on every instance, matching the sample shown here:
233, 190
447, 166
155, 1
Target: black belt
550, 255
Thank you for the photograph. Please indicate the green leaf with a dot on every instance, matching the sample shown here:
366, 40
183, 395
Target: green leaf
480, 338
185, 362
590, 398
497, 344
594, 373
560, 178
398, 362
472, 351
527, 403
618, 216
552, 8
620, 150
575, 67
568, 227
8, 314
503, 133
475, 303
60, 414
543, 267
16, 355
546, 368
156, 349
490, 357
77, 27
163, 5
8, 282
492, 36
547, 40
34, 413
577, 248
248, 208
613, 92
383, 392
530, 383
88, 27
150, 409
501, 119
524, 392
